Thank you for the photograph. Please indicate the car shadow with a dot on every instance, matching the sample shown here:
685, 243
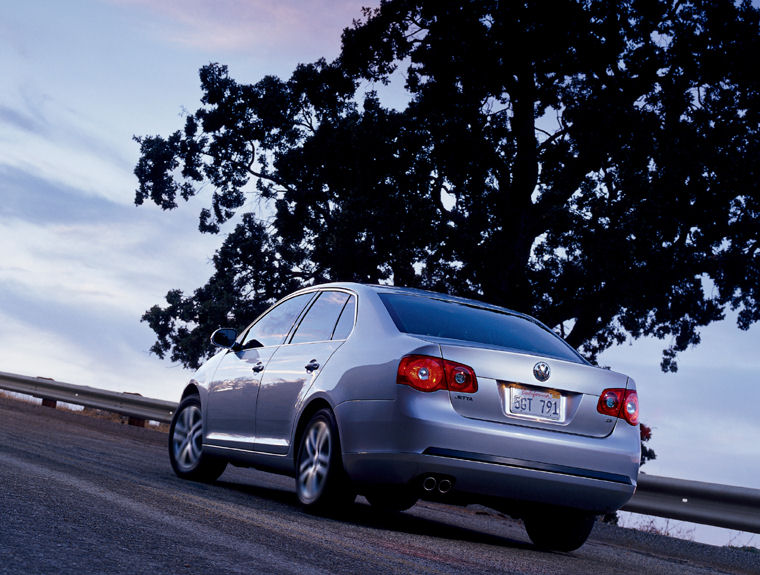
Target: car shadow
361, 514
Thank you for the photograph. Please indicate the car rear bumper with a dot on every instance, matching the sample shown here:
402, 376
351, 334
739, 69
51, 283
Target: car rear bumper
475, 480
392, 442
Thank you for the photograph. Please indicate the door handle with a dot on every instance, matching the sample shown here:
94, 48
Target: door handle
259, 367
313, 365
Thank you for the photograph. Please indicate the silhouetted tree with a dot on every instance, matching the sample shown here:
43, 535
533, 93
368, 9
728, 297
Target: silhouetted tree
647, 453
592, 163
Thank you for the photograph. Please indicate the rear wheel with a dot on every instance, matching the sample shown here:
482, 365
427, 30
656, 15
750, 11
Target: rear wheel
559, 529
321, 482
186, 444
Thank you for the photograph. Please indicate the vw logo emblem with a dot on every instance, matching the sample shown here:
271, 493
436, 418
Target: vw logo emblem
541, 371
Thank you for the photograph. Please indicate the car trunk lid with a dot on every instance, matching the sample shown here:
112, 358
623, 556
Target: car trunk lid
511, 390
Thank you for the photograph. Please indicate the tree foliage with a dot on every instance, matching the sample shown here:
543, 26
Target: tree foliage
592, 163
647, 453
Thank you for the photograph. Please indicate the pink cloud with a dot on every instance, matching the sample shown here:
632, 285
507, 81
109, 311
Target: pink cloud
242, 25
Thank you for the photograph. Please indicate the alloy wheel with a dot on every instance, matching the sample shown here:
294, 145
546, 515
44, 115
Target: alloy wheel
187, 438
314, 461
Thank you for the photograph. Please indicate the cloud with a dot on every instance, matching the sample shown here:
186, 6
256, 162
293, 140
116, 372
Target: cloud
20, 120
93, 351
69, 150
76, 275
31, 198
116, 257
240, 25
62, 247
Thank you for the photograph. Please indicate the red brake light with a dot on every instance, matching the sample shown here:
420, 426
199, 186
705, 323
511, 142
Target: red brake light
610, 402
620, 403
426, 373
460, 377
631, 407
421, 372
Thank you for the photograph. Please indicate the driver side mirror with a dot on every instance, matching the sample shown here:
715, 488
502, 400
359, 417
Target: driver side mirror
225, 337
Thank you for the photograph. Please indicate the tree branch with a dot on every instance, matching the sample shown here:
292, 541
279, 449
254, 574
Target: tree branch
247, 168
551, 138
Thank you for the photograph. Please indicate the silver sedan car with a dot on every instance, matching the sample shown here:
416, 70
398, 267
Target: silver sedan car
400, 394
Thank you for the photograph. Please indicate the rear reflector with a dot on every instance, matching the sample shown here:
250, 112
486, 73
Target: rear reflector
622, 403
427, 373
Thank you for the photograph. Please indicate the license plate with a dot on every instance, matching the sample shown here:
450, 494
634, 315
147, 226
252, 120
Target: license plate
545, 404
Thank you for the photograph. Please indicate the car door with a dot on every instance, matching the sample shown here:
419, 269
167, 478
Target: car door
295, 365
232, 395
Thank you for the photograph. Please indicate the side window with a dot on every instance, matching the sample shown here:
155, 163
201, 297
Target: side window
273, 328
346, 321
319, 322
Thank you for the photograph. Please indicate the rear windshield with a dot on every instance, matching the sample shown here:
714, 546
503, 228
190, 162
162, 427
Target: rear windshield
439, 318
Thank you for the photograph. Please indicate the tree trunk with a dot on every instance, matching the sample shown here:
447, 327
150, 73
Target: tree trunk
505, 272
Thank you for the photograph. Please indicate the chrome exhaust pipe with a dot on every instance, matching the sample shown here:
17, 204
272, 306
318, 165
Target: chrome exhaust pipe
429, 483
444, 486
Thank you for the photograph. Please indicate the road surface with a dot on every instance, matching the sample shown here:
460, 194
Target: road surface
83, 495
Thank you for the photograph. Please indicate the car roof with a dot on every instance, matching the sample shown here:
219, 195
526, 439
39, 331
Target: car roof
378, 288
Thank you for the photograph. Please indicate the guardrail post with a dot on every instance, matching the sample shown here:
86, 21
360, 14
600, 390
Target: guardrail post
136, 421
49, 402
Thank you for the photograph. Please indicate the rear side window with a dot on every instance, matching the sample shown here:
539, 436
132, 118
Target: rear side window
346, 321
439, 318
319, 322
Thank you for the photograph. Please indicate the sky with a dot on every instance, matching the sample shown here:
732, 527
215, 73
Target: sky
81, 263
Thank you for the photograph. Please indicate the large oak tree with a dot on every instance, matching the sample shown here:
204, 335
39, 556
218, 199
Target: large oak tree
592, 163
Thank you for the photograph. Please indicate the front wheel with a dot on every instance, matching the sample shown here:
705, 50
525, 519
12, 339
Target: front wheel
321, 482
186, 444
559, 529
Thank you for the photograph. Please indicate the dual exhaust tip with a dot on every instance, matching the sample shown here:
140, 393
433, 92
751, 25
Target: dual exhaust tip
431, 483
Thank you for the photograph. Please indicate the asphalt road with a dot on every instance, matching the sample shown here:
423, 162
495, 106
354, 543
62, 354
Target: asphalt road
82, 495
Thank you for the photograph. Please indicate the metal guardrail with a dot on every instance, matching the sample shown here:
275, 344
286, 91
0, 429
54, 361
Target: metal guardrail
136, 407
708, 503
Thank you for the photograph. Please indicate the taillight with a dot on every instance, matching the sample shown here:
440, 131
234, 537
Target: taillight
620, 403
421, 372
460, 377
426, 373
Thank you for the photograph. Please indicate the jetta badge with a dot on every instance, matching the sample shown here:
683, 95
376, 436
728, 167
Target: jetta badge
541, 371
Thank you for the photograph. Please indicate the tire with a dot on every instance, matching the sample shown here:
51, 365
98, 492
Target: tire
321, 482
391, 499
559, 529
186, 444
